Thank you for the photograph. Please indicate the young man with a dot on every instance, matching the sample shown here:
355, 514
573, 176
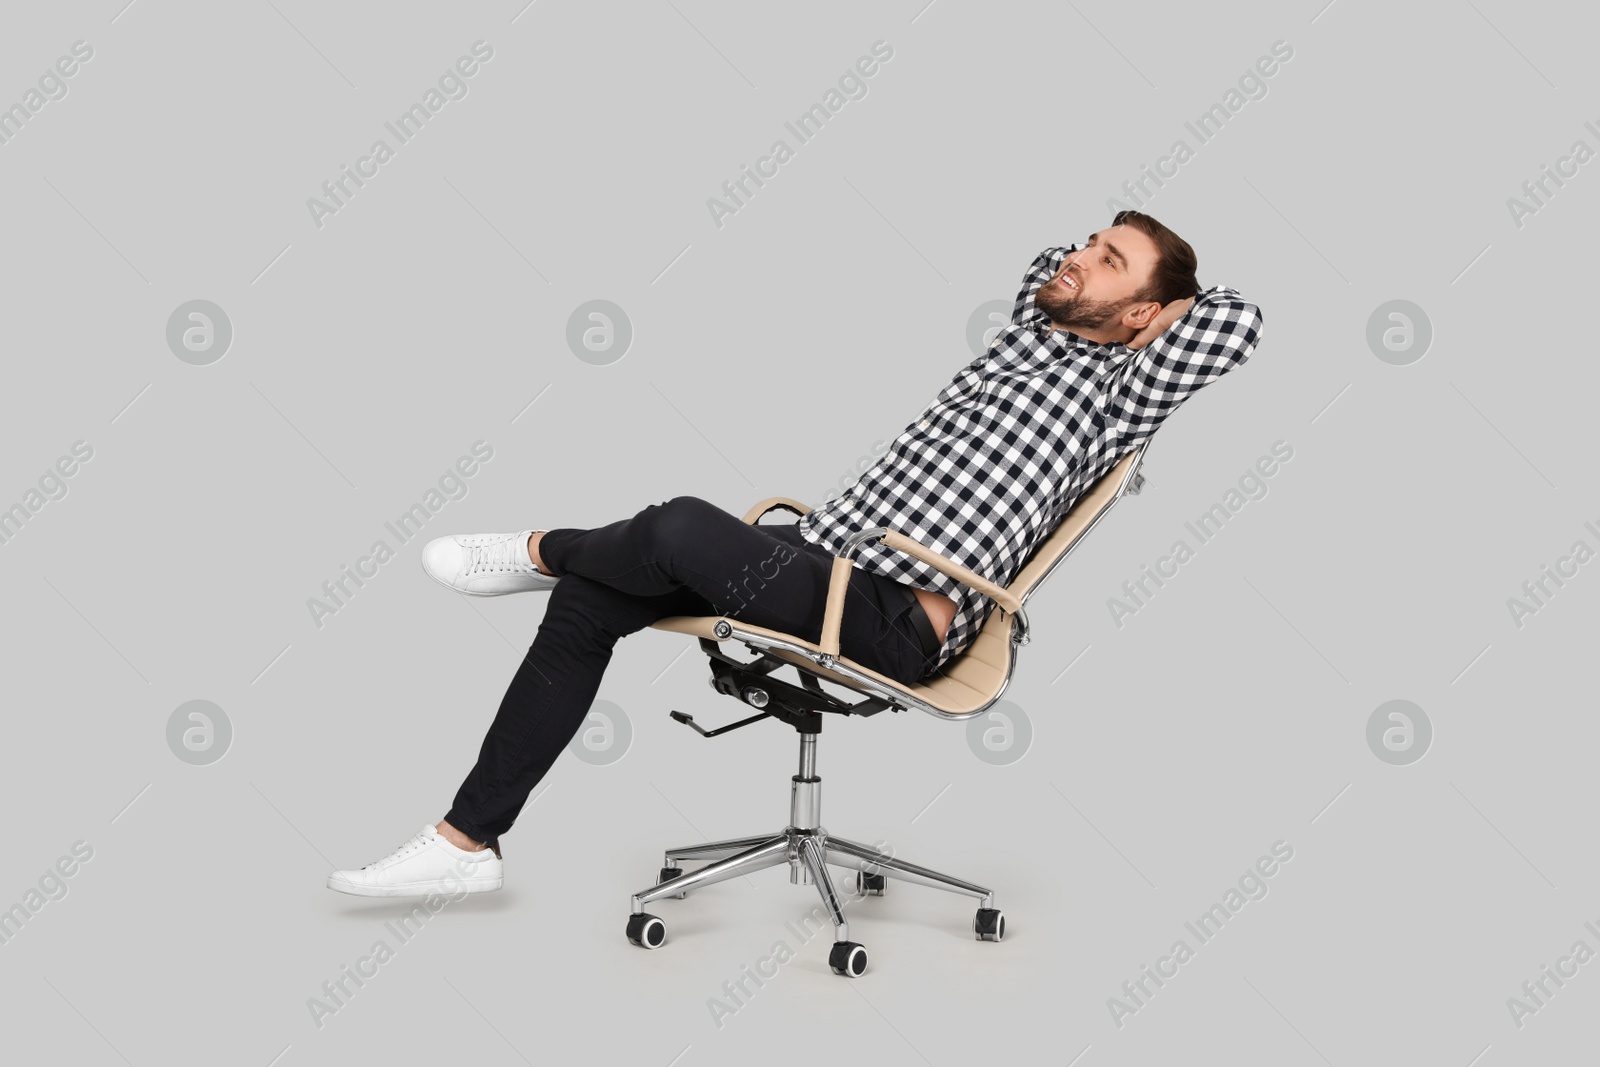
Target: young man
1105, 341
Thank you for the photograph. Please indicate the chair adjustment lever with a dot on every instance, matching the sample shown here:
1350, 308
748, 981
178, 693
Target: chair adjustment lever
688, 719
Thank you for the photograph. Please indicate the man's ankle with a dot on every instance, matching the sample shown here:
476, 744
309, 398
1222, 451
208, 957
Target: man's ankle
459, 839
533, 552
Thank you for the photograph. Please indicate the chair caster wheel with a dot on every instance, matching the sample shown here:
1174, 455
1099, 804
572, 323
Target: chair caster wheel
989, 924
873, 884
848, 958
671, 872
646, 931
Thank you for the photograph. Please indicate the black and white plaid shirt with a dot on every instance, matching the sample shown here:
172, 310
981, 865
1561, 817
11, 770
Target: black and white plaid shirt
993, 464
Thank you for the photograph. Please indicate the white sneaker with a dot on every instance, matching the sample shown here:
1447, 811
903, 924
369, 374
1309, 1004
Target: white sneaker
485, 564
425, 864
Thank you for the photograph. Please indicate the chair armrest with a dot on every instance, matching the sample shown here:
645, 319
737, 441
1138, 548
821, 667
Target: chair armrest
753, 516
839, 580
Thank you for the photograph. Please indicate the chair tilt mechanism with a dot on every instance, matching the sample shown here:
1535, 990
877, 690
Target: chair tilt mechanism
963, 688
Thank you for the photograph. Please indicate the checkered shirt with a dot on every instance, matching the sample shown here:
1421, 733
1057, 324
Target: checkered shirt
993, 464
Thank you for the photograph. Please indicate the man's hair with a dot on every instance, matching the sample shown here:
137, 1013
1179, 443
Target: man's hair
1172, 278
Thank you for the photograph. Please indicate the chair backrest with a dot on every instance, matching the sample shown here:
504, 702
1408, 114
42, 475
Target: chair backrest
1079, 519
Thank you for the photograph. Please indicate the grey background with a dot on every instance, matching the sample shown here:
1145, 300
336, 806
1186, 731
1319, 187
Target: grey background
767, 357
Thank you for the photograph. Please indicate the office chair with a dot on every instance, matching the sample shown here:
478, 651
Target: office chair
964, 687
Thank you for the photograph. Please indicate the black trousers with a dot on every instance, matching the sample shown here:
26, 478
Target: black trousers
683, 556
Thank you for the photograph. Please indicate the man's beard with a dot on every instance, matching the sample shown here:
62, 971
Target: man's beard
1070, 311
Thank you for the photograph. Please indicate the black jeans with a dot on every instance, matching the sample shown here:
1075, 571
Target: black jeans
684, 556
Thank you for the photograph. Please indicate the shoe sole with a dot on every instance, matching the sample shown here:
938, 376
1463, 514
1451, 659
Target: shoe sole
409, 890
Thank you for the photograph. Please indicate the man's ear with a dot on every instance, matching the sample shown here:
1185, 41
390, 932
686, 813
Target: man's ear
1141, 315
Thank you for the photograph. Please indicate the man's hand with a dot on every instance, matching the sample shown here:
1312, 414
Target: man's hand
1158, 325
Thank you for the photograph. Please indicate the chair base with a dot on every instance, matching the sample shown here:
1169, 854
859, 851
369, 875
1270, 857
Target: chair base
808, 848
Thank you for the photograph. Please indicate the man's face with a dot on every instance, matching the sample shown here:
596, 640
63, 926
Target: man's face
1095, 285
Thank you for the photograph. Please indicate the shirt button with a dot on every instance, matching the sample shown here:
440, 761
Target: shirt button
923, 424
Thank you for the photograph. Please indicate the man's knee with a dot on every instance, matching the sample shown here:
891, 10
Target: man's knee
681, 521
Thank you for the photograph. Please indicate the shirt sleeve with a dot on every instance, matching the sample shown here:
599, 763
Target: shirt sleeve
1216, 334
1043, 269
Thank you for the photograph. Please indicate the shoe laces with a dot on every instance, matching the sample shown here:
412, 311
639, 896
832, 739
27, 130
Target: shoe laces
420, 841
496, 555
